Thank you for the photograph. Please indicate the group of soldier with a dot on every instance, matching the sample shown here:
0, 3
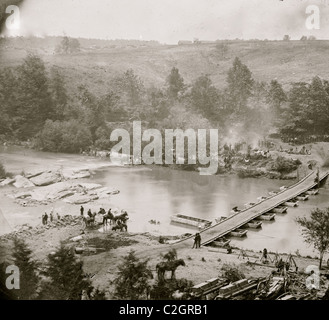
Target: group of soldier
51, 217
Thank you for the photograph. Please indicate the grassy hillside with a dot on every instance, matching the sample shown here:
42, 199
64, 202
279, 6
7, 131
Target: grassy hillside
96, 64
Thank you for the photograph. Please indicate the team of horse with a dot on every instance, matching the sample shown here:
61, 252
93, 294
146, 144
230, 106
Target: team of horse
119, 221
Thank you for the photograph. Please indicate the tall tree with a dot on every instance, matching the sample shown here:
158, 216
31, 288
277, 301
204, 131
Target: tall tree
240, 85
8, 100
295, 120
318, 103
34, 101
205, 97
130, 88
92, 108
316, 230
29, 279
58, 93
156, 107
66, 277
175, 83
132, 281
276, 96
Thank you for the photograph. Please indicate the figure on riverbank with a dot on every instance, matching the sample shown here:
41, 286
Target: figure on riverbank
264, 256
108, 216
45, 218
90, 219
197, 241
82, 210
51, 217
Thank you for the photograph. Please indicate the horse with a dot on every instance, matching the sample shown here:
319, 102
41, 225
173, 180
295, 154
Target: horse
107, 216
89, 220
164, 266
120, 227
123, 216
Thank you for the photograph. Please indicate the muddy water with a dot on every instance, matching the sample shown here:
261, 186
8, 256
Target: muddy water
157, 193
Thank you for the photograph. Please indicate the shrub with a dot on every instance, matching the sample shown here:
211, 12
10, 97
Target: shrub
132, 280
63, 136
3, 172
283, 165
232, 273
248, 173
66, 279
164, 290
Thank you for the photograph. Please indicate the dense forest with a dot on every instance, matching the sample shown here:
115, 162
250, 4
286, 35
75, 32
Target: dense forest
36, 106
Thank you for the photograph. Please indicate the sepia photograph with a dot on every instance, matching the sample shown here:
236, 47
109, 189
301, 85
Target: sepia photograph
164, 150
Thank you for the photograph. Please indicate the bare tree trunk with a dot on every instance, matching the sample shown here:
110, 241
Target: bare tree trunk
321, 258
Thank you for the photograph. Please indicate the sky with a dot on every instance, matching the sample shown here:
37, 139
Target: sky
169, 21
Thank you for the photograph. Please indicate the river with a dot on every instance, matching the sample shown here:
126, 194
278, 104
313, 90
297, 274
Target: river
157, 193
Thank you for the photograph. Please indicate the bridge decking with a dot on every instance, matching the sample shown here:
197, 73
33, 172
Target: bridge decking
239, 219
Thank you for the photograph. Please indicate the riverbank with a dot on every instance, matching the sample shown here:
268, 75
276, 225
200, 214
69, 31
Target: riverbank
257, 162
104, 252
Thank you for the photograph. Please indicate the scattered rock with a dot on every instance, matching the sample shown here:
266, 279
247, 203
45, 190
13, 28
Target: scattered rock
22, 182
34, 173
75, 174
46, 178
81, 198
104, 192
7, 182
22, 195
90, 186
61, 194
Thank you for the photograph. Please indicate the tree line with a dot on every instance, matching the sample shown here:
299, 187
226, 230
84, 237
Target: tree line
36, 105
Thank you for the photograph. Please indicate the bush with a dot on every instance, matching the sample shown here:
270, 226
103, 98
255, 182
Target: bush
248, 173
3, 173
65, 277
64, 136
103, 141
132, 282
232, 273
283, 165
165, 290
